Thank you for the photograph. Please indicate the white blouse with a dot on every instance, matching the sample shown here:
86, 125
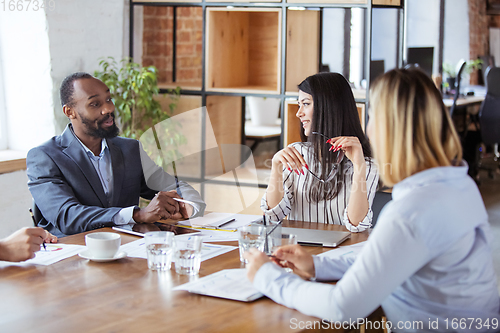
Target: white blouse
296, 206
427, 263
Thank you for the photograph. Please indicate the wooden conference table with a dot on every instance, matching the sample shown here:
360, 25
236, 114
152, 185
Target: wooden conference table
77, 295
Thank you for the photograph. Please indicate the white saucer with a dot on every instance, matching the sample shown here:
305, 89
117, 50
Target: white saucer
86, 255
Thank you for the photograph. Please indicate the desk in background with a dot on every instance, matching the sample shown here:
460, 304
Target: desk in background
76, 295
464, 101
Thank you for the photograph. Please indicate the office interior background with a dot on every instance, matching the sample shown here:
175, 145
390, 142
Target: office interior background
38, 48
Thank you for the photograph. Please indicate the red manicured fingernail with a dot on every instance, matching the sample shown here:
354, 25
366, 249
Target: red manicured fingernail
307, 167
289, 169
340, 146
297, 172
302, 171
331, 148
336, 149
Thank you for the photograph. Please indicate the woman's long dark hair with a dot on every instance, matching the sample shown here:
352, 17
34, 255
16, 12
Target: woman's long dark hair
335, 114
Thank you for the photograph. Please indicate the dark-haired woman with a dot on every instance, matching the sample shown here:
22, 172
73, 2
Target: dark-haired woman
321, 179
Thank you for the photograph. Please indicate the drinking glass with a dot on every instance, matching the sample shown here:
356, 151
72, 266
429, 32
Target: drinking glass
188, 255
251, 236
286, 239
159, 248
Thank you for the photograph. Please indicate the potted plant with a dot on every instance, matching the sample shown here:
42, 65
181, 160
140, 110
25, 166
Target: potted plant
133, 89
450, 71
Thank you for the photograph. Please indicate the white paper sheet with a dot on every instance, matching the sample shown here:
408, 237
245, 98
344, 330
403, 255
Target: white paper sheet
137, 249
218, 236
212, 220
336, 253
228, 283
54, 253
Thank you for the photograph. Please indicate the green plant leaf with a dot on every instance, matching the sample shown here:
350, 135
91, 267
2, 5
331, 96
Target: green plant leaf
133, 89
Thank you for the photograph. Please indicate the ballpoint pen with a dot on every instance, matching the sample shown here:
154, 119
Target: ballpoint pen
226, 222
34, 223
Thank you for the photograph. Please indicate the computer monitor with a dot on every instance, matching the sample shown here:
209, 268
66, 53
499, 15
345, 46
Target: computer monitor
422, 57
377, 68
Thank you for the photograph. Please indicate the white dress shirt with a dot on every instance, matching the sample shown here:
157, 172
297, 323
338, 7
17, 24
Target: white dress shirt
296, 206
428, 259
104, 169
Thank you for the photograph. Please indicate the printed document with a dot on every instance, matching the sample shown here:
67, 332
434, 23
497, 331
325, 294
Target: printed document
228, 283
55, 252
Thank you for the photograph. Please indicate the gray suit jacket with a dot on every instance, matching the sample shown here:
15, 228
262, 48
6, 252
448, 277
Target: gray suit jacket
69, 194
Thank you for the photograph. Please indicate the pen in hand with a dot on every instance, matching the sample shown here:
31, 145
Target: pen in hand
34, 223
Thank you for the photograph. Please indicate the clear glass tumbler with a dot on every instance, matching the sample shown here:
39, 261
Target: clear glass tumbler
159, 248
188, 255
251, 236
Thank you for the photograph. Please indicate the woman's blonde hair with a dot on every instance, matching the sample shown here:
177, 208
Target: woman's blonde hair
412, 128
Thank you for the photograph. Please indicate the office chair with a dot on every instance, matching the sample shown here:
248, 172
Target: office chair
461, 66
489, 113
36, 212
379, 201
488, 61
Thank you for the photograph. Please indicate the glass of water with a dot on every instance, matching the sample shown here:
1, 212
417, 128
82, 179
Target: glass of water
251, 236
159, 248
188, 255
285, 239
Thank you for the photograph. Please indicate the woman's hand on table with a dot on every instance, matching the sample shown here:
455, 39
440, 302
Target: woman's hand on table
255, 261
288, 256
295, 258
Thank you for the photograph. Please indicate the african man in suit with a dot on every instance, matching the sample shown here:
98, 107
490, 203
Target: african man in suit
89, 178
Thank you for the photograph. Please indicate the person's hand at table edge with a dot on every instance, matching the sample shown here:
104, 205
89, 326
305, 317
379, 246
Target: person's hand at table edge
255, 261
161, 207
294, 257
23, 244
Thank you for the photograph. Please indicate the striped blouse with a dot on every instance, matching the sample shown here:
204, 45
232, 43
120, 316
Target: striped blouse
296, 206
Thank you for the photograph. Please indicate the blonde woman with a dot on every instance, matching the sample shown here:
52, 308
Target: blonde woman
429, 259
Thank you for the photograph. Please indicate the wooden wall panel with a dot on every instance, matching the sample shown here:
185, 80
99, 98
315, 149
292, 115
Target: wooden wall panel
243, 49
264, 63
292, 123
225, 118
302, 48
387, 2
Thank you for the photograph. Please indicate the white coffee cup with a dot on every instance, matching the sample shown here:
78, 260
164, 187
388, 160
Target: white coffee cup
103, 245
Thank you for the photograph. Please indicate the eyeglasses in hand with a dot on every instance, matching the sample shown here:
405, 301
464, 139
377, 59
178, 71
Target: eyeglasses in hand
331, 175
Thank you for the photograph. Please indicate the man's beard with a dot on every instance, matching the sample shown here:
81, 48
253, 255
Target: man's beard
101, 132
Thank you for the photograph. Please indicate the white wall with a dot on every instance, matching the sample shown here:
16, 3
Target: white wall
456, 31
81, 32
333, 39
15, 201
385, 36
423, 26
357, 59
37, 50
27, 83
3, 112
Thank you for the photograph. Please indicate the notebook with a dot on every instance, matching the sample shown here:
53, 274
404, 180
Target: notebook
314, 237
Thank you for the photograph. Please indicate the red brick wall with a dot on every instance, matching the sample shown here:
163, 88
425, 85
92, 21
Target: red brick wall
478, 32
158, 42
